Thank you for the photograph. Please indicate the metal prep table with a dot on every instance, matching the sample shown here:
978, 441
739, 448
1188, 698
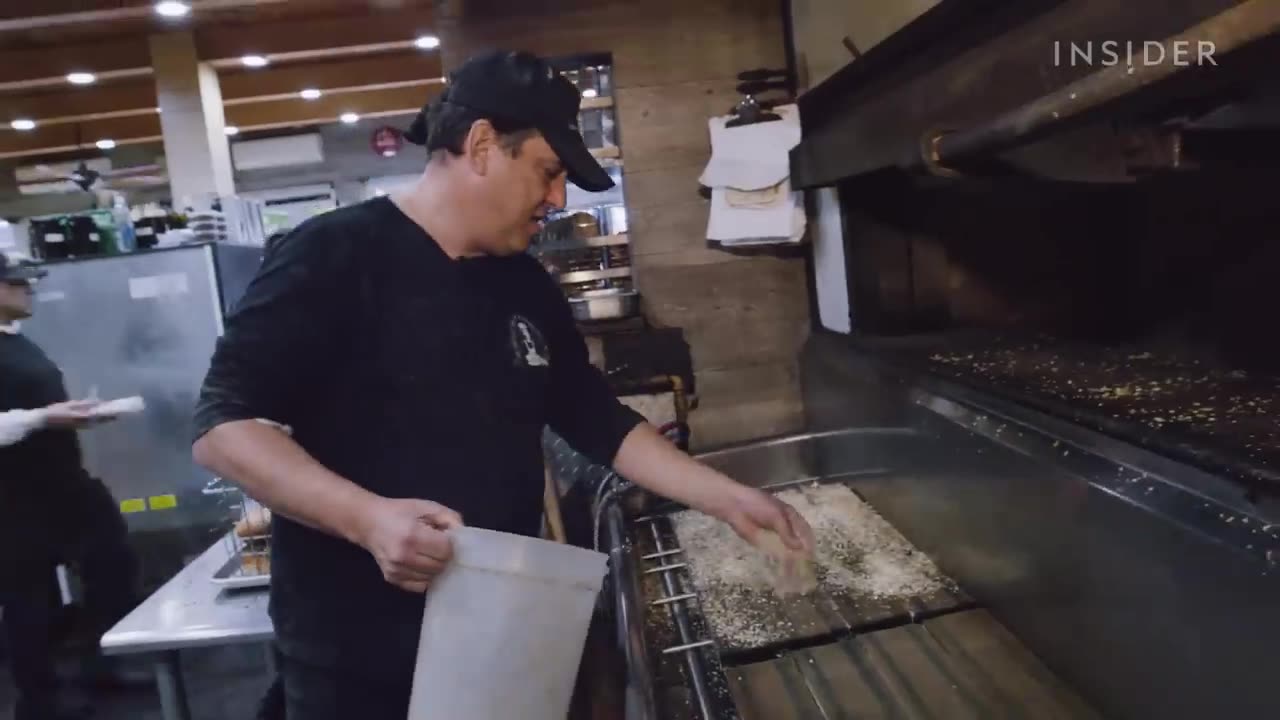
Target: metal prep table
189, 611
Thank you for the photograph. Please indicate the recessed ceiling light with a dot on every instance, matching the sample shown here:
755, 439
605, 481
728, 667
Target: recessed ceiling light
254, 61
427, 42
310, 94
349, 118
105, 144
81, 78
172, 9
231, 130
590, 93
23, 124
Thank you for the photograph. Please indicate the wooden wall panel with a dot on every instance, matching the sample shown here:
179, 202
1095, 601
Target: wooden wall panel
721, 340
746, 402
663, 187
666, 126
656, 42
756, 288
661, 236
819, 26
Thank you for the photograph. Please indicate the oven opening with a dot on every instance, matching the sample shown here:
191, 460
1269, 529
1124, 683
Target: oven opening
1139, 304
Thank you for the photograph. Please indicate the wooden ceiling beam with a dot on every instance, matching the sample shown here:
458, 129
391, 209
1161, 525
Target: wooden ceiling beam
260, 115
22, 16
44, 26
138, 97
20, 69
282, 41
61, 138
405, 99
231, 41
71, 104
19, 15
355, 72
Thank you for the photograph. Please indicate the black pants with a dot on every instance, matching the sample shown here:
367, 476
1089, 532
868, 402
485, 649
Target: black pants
272, 705
313, 692
97, 547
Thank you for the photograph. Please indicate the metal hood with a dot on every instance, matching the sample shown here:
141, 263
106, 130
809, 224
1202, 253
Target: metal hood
971, 79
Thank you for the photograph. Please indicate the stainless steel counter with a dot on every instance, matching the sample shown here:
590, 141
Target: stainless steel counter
187, 612
190, 611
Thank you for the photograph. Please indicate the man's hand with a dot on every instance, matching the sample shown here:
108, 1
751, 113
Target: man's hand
408, 539
650, 461
748, 511
73, 415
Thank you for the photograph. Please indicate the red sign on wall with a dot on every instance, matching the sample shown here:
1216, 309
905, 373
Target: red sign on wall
387, 141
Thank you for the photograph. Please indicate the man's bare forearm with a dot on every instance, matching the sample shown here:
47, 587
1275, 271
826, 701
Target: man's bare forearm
277, 472
652, 462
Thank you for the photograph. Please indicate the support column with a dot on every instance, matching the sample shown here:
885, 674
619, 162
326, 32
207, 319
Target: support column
448, 22
192, 122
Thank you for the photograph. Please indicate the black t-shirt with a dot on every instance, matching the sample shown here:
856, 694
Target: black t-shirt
413, 375
42, 473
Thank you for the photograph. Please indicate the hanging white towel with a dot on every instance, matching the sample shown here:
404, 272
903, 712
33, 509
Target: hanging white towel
782, 222
752, 157
749, 176
757, 199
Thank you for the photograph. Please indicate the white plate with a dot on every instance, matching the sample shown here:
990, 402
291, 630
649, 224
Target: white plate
123, 406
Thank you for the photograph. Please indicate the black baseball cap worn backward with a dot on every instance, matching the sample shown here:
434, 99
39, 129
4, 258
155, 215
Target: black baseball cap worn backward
521, 88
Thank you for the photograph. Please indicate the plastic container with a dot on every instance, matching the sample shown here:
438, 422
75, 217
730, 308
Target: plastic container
503, 629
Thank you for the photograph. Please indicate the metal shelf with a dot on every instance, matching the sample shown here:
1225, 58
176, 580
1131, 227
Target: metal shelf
596, 103
589, 275
579, 243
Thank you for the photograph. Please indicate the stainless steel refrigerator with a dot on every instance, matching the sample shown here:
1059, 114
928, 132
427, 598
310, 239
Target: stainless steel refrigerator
145, 324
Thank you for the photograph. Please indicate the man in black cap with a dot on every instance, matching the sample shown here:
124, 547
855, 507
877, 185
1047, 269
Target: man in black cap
416, 353
51, 512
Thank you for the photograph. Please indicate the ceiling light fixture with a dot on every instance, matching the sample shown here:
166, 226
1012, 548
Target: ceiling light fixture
105, 144
427, 42
231, 130
310, 94
81, 78
172, 9
23, 124
349, 118
255, 61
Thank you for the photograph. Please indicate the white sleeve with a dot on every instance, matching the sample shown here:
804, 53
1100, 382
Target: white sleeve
16, 425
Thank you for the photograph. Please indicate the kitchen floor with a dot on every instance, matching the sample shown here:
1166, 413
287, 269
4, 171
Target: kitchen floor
222, 684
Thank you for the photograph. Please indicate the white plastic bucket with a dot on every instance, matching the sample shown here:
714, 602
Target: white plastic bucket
503, 629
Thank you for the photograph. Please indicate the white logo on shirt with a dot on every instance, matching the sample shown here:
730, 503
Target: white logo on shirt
528, 344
